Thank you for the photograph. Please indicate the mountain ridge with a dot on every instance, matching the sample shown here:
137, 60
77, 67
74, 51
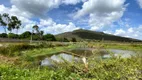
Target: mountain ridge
82, 34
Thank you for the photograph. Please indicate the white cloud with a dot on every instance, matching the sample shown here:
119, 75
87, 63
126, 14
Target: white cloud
26, 22
132, 32
140, 3
49, 26
71, 1
36, 7
124, 23
120, 32
39, 8
102, 12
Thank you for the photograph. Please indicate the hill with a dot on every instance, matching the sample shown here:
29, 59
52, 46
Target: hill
82, 34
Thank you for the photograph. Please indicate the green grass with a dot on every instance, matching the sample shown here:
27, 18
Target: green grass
47, 51
109, 69
115, 68
116, 45
16, 49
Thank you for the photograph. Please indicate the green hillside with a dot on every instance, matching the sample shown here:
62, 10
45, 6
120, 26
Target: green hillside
82, 34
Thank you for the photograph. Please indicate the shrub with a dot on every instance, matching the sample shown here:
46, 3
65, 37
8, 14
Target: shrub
11, 49
13, 36
73, 40
25, 35
65, 40
3, 35
49, 37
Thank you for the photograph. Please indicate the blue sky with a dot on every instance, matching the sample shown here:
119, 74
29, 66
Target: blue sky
118, 17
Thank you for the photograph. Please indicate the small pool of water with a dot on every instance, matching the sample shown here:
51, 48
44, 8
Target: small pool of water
84, 52
60, 58
121, 53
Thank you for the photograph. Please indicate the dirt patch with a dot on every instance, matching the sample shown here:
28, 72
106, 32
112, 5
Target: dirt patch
1, 45
8, 60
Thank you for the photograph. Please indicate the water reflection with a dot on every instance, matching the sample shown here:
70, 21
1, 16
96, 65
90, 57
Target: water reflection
85, 52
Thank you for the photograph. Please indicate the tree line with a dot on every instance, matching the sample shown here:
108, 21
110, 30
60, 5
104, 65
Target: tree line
27, 36
10, 23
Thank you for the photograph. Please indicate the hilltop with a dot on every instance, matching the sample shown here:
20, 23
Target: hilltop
82, 34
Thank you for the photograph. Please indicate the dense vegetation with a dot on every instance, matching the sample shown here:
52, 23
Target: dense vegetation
113, 69
23, 63
10, 23
27, 36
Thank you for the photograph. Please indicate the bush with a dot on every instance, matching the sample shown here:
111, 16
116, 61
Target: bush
49, 37
65, 40
11, 49
25, 35
13, 36
73, 40
3, 35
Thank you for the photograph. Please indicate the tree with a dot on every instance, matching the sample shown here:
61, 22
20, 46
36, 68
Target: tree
49, 37
73, 40
3, 35
65, 40
38, 32
26, 35
13, 36
35, 27
4, 21
41, 33
9, 23
14, 24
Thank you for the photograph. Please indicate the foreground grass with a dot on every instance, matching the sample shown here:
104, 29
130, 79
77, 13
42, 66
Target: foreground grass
109, 69
98, 69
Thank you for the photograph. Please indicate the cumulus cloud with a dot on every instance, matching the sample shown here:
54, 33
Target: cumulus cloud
36, 7
39, 8
140, 3
47, 25
131, 32
51, 27
102, 12
120, 32
71, 1
14, 11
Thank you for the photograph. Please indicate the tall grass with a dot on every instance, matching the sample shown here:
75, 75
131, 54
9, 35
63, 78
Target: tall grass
114, 68
15, 49
108, 69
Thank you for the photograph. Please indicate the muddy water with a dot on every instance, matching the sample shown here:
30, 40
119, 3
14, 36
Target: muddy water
85, 52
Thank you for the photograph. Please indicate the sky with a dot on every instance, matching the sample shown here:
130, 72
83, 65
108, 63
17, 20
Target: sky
117, 17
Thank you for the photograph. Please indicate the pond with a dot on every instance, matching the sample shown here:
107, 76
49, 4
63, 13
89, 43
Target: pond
76, 55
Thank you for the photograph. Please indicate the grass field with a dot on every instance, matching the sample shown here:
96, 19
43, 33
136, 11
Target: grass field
20, 61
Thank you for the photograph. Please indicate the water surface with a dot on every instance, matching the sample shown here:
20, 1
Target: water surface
77, 54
